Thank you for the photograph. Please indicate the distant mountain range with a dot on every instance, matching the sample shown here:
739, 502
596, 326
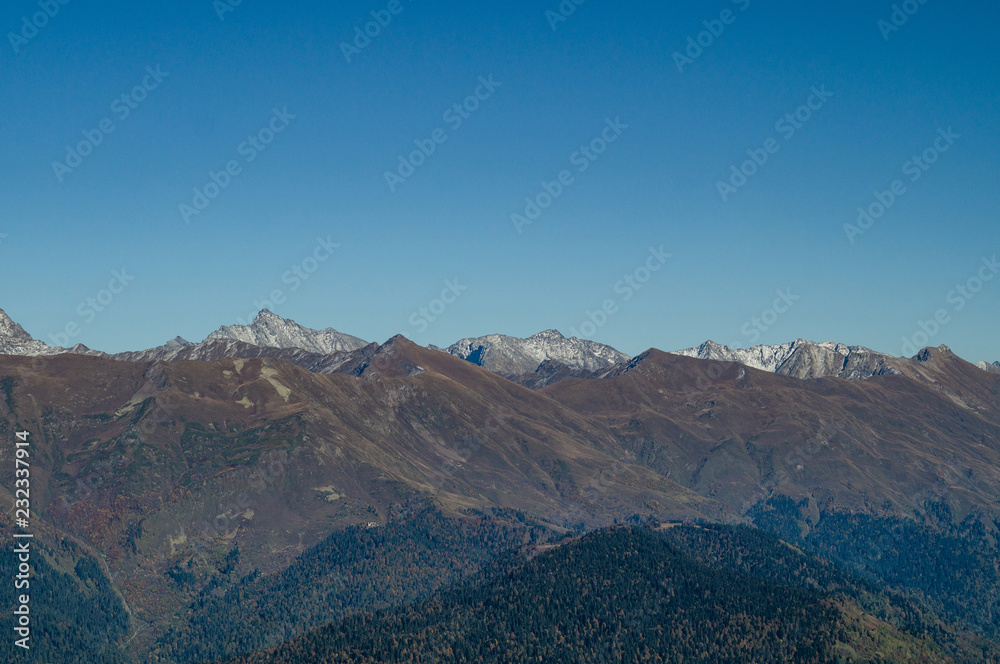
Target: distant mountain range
15, 341
510, 355
541, 359
271, 330
804, 359
986, 366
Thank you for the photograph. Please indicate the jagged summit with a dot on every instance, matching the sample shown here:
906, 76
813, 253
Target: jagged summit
541, 359
803, 359
178, 342
270, 330
548, 334
928, 354
15, 341
514, 356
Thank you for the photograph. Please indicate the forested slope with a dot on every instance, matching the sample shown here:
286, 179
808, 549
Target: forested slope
634, 595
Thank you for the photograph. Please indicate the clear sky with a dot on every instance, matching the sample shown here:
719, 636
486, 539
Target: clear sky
115, 113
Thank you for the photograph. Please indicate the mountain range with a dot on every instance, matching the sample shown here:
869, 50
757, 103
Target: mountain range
535, 361
804, 359
271, 331
193, 511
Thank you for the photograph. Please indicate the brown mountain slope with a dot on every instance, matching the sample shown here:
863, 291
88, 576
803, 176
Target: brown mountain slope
738, 435
165, 467
219, 349
152, 464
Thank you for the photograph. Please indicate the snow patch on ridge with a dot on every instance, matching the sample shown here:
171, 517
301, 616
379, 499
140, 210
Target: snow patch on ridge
268, 330
513, 355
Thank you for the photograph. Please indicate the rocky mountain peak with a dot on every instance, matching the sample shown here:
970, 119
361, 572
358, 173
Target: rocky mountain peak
178, 342
15, 341
929, 354
270, 330
266, 315
10, 330
511, 356
802, 359
548, 334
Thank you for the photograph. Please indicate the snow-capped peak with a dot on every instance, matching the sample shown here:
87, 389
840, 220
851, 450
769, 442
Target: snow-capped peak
548, 334
513, 355
178, 342
802, 358
270, 330
15, 341
764, 357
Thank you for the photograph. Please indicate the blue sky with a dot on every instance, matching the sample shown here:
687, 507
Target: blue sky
268, 92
